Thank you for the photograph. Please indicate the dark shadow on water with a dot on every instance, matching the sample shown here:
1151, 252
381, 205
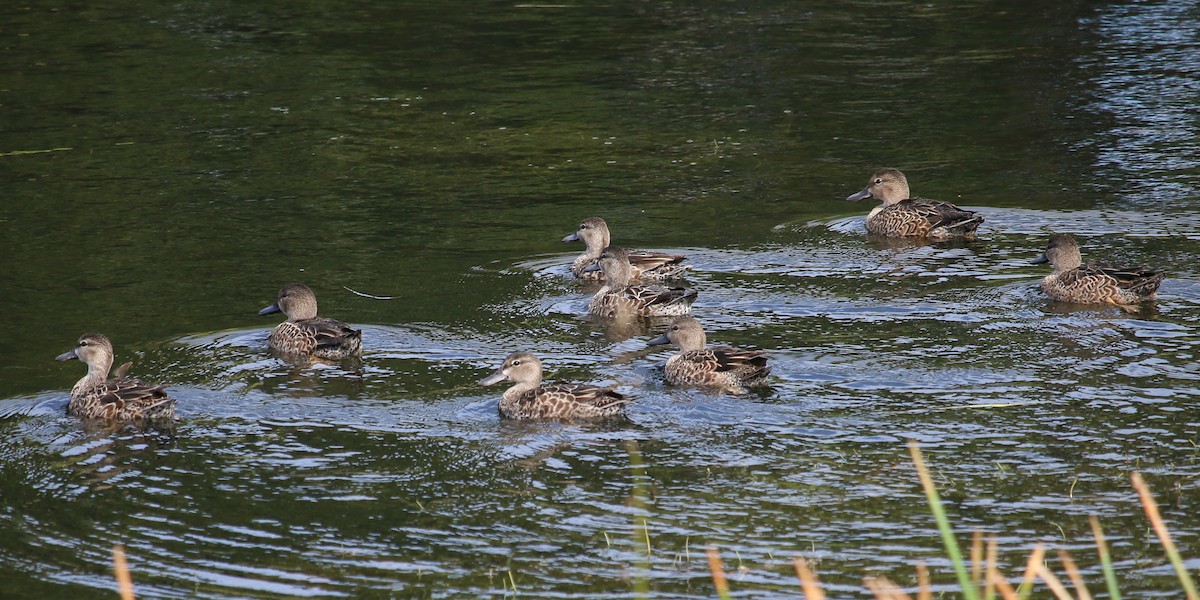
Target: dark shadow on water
627, 327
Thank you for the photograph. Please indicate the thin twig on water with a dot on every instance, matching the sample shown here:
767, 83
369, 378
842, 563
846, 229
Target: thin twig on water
366, 295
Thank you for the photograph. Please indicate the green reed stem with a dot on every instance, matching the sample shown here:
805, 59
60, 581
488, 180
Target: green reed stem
1164, 535
1110, 574
641, 529
939, 515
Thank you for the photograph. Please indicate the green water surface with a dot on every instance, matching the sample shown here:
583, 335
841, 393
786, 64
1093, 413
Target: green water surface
166, 167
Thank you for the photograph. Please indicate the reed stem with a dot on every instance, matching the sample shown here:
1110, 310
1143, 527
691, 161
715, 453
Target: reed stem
1164, 535
939, 514
121, 572
1110, 575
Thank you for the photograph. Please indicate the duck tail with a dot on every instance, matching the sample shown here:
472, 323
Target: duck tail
966, 226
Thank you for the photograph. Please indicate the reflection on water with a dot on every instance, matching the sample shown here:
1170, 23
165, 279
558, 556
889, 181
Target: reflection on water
359, 149
1146, 74
324, 479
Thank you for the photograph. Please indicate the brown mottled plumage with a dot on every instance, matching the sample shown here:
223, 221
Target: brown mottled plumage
119, 399
532, 399
646, 264
729, 369
902, 216
1072, 281
306, 334
617, 297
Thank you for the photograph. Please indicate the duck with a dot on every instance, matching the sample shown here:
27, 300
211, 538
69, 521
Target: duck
646, 264
532, 399
618, 297
306, 334
1072, 281
722, 367
121, 398
902, 216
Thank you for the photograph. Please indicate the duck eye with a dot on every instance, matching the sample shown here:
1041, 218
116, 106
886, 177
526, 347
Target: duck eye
516, 362
878, 180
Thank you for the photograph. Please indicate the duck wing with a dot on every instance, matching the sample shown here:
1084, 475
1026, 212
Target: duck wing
940, 213
733, 359
1139, 280
563, 400
656, 265
649, 295
330, 333
602, 398
119, 398
721, 366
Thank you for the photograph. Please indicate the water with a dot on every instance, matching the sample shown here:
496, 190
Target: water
167, 168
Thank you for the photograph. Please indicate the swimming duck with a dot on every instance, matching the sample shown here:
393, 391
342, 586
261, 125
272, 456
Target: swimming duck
647, 264
119, 399
618, 297
729, 369
903, 216
306, 334
1072, 281
532, 399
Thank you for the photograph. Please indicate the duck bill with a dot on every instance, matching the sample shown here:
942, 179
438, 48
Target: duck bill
1040, 260
274, 308
494, 378
592, 268
67, 356
659, 341
862, 194
574, 237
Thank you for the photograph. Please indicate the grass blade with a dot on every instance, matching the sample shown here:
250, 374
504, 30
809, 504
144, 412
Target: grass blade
718, 573
989, 588
1164, 536
1052, 582
1110, 575
639, 499
939, 514
121, 572
1072, 570
1031, 570
976, 558
808, 580
924, 590
884, 589
1002, 585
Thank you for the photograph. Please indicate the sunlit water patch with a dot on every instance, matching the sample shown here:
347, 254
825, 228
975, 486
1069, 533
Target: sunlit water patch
1147, 78
356, 148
